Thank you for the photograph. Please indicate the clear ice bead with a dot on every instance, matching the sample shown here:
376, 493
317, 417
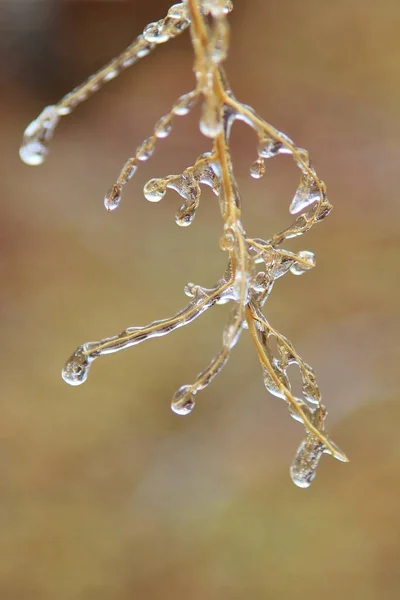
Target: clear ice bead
302, 159
146, 149
113, 198
183, 105
186, 214
232, 331
163, 127
257, 169
307, 193
76, 369
145, 48
298, 268
210, 123
33, 150
178, 11
305, 463
111, 75
272, 386
270, 146
217, 8
155, 33
154, 190
183, 401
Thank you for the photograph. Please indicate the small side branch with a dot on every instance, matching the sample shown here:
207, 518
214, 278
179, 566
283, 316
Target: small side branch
34, 147
293, 403
76, 369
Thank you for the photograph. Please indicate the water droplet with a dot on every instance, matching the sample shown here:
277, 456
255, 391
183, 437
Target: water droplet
217, 8
183, 401
154, 190
183, 105
272, 386
307, 193
298, 268
324, 210
163, 128
33, 153
227, 240
268, 147
232, 330
145, 48
305, 463
186, 186
257, 169
33, 150
113, 198
302, 159
178, 11
219, 41
155, 33
210, 122
186, 214
110, 75
146, 149
76, 369
132, 168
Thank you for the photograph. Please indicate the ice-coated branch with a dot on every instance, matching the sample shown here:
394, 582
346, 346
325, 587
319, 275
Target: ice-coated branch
34, 147
254, 264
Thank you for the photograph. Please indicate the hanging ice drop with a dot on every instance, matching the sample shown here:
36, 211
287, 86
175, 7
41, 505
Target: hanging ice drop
307, 193
183, 401
33, 150
76, 369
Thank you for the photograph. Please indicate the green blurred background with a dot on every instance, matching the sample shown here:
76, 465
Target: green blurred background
105, 493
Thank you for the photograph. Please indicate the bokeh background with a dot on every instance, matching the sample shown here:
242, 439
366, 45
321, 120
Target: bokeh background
105, 493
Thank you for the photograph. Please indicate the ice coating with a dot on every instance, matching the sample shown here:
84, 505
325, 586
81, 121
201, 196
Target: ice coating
253, 264
37, 135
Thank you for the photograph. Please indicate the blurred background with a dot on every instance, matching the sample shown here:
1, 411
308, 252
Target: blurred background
105, 493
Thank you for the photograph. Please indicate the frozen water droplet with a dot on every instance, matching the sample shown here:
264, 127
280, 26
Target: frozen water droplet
155, 33
76, 369
207, 175
183, 401
163, 127
304, 466
307, 193
131, 171
186, 214
33, 150
257, 169
232, 331
146, 149
217, 8
302, 159
183, 105
33, 153
110, 75
298, 268
178, 11
154, 190
272, 386
324, 210
210, 122
113, 198
268, 147
186, 186
145, 47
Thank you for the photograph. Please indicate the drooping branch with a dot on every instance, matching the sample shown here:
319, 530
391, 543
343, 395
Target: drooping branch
254, 264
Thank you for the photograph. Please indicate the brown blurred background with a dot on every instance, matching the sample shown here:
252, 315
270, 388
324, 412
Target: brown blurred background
106, 494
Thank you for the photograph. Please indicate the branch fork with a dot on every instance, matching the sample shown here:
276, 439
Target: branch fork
253, 264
